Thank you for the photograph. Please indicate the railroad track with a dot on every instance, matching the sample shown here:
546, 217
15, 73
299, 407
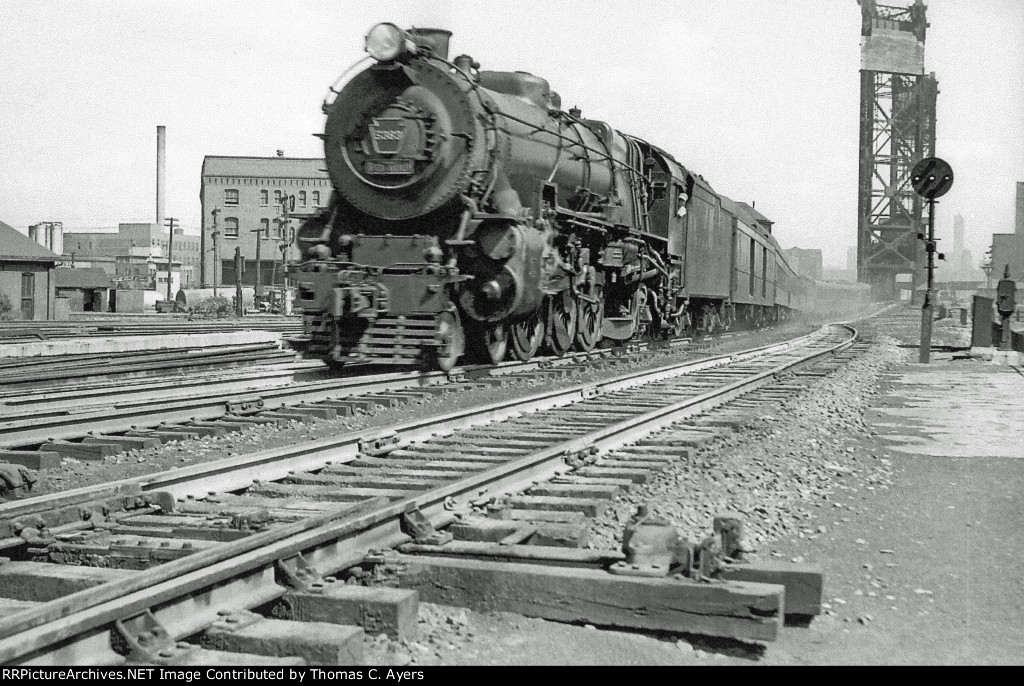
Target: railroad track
21, 331
191, 553
33, 373
38, 429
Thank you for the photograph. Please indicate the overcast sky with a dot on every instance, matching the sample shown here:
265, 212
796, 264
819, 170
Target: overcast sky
760, 97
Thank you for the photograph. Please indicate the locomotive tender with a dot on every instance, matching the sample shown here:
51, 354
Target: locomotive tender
473, 216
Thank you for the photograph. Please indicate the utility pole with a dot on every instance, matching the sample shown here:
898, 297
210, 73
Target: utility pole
216, 249
285, 301
287, 207
239, 270
171, 222
259, 281
273, 275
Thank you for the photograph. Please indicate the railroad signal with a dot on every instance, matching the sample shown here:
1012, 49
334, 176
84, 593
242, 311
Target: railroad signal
1006, 305
1006, 294
932, 178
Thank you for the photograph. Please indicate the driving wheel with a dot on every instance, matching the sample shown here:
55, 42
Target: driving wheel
452, 341
525, 337
562, 318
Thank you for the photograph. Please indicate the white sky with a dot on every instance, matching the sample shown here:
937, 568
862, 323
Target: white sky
761, 97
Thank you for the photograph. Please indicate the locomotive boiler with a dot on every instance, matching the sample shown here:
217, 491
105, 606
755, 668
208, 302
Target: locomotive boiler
472, 216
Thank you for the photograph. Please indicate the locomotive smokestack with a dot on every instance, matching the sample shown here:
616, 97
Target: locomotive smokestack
435, 39
161, 171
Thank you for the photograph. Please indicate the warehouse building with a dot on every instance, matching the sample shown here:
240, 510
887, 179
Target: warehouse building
246, 194
27, 284
86, 289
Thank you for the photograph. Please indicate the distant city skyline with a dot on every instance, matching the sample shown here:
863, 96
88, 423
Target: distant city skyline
760, 98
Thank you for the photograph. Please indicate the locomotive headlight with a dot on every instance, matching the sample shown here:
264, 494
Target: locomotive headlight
386, 42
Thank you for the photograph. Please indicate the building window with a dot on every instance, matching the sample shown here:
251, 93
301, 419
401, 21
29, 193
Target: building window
316, 198
277, 228
264, 198
231, 227
302, 198
231, 196
277, 197
753, 258
28, 296
265, 228
764, 272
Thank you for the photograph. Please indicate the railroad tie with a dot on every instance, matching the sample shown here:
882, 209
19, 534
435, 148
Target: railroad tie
33, 459
317, 643
82, 451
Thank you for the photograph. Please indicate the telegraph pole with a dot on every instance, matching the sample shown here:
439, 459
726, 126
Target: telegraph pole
259, 281
170, 222
285, 307
287, 207
216, 250
239, 270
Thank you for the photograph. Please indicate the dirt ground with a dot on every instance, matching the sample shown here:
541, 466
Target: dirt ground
925, 573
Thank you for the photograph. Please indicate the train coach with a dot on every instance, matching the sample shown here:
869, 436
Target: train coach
473, 218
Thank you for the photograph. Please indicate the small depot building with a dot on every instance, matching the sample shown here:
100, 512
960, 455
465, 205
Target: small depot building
86, 289
27, 284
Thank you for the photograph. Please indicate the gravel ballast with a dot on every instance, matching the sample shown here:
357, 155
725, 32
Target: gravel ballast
774, 471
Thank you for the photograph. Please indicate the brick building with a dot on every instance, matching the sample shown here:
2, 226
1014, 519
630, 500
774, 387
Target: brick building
26, 276
246, 195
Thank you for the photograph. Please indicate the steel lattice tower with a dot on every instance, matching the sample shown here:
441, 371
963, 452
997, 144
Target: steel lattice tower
897, 129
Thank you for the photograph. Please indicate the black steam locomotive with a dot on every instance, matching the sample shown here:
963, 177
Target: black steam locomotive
473, 217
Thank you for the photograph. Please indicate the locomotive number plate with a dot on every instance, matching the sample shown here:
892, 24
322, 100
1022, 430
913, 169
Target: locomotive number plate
404, 167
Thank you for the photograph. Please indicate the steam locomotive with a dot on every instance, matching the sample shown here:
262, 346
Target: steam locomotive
473, 218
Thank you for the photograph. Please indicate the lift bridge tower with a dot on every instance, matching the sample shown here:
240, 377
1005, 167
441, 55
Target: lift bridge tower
897, 129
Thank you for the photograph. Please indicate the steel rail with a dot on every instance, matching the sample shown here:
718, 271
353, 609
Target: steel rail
29, 429
120, 416
55, 403
276, 462
188, 603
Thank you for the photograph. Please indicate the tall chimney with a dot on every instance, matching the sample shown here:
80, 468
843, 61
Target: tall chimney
161, 172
